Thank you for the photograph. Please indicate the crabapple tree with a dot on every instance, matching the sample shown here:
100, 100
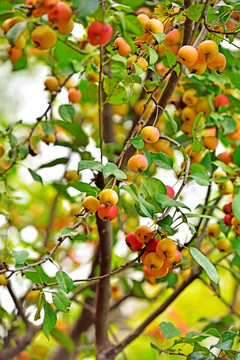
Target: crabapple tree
120, 200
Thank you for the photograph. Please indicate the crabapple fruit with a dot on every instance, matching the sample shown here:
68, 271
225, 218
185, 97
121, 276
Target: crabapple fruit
91, 204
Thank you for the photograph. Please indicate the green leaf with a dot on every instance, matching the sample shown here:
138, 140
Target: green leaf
163, 161
112, 169
64, 281
91, 165
146, 207
236, 156
32, 275
226, 340
160, 37
85, 7
198, 167
131, 189
150, 186
171, 58
148, 155
116, 92
137, 289
39, 302
60, 302
63, 339
153, 56
206, 264
75, 129
196, 355
58, 161
165, 201
236, 207
50, 319
223, 166
193, 12
20, 256
172, 122
228, 124
23, 151
85, 188
16, 30
133, 25
200, 178
67, 231
155, 347
35, 176
137, 142
169, 330
48, 128
67, 112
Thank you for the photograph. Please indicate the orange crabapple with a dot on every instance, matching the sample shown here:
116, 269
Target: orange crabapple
99, 33
187, 55
173, 261
225, 157
189, 97
198, 68
159, 273
143, 19
150, 134
122, 46
187, 128
44, 37
166, 248
61, 14
155, 26
224, 244
51, 83
210, 142
74, 95
132, 242
107, 213
153, 261
65, 28
188, 114
91, 204
173, 37
207, 50
109, 196
143, 234
203, 106
138, 163
217, 64
15, 54
141, 62
213, 230
195, 157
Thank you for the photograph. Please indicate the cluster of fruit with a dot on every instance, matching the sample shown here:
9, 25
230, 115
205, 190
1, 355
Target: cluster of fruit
139, 163
44, 37
158, 256
206, 55
223, 243
52, 84
107, 211
59, 13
